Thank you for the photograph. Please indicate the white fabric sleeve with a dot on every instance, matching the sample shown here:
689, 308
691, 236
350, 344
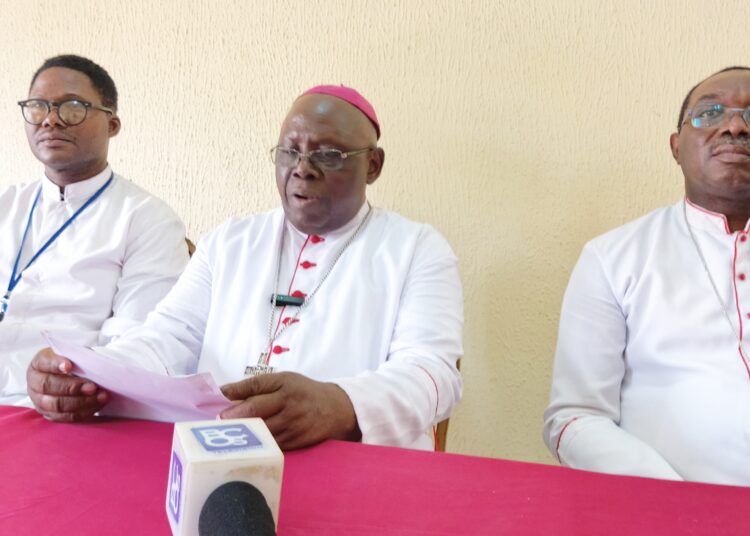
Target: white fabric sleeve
170, 340
419, 384
581, 423
155, 256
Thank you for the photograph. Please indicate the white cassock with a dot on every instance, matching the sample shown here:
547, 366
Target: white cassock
386, 325
99, 278
649, 379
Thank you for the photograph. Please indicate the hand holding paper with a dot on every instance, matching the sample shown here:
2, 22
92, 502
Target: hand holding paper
57, 394
141, 394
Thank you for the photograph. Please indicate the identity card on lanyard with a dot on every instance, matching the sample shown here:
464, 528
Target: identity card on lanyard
17, 274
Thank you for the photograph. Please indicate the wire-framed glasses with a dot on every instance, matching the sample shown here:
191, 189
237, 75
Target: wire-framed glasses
328, 159
709, 114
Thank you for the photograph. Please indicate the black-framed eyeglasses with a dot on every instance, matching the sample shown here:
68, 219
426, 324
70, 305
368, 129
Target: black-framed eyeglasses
326, 159
709, 114
72, 112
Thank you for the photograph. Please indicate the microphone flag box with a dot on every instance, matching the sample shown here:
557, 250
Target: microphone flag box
208, 454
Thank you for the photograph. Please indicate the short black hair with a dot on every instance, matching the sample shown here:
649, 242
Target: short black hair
683, 109
100, 79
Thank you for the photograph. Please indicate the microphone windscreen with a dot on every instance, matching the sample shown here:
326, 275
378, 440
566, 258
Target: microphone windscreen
236, 509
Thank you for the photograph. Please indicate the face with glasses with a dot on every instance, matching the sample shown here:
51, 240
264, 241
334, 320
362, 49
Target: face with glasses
67, 126
713, 145
325, 158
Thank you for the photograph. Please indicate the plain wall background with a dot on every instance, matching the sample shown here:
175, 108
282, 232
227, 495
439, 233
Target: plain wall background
520, 130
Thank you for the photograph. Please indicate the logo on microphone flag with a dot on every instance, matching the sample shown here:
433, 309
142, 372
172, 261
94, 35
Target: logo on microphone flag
175, 487
226, 438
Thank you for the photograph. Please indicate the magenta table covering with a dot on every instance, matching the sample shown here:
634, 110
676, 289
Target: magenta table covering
109, 478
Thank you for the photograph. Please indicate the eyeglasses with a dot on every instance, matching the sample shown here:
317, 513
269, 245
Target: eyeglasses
72, 112
708, 114
324, 159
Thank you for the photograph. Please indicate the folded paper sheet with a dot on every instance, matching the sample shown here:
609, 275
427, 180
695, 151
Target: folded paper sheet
141, 394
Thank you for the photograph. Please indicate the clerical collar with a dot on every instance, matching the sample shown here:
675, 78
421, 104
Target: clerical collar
344, 230
78, 190
707, 220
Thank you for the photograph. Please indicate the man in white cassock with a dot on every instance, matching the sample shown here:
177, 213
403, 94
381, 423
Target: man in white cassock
328, 318
85, 254
652, 371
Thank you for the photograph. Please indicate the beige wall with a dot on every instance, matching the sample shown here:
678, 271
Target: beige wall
518, 129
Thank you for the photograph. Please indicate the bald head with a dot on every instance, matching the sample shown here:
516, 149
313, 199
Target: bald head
319, 199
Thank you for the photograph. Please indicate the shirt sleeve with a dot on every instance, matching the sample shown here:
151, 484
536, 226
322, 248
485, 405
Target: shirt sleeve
419, 384
171, 338
581, 425
155, 256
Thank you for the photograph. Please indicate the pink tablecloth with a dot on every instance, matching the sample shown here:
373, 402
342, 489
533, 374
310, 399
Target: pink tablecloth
109, 478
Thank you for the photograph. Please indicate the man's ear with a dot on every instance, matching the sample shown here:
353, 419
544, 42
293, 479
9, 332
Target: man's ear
375, 164
674, 144
114, 126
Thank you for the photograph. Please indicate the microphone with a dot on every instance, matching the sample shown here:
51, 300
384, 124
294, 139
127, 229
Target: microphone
224, 479
236, 509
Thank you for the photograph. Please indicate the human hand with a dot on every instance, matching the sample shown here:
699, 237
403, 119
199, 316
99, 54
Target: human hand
297, 410
57, 394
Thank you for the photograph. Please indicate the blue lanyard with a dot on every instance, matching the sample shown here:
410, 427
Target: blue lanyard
16, 276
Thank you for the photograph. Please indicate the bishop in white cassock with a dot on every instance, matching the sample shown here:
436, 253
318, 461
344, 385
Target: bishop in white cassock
328, 317
652, 371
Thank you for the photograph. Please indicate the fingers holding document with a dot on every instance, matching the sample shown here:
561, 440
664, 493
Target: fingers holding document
298, 411
57, 394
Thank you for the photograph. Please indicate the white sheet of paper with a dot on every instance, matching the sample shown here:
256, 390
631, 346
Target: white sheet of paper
141, 394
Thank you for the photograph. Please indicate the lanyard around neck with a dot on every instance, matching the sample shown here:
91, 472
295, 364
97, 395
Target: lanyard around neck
16, 276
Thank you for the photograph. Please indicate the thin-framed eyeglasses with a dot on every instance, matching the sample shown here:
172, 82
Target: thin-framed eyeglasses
709, 114
326, 159
72, 112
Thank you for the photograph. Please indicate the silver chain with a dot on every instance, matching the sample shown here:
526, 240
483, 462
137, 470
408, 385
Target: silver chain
711, 280
311, 295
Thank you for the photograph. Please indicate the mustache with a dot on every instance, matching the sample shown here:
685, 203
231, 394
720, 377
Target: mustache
726, 139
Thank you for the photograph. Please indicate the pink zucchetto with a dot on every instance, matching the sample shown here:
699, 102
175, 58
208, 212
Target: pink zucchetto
353, 97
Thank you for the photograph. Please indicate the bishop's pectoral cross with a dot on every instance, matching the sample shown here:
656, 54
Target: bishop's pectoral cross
277, 300
261, 368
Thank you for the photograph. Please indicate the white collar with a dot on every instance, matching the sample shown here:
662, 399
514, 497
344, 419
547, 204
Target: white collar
344, 230
80, 189
707, 220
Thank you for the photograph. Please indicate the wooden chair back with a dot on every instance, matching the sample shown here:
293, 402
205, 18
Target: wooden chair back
441, 430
